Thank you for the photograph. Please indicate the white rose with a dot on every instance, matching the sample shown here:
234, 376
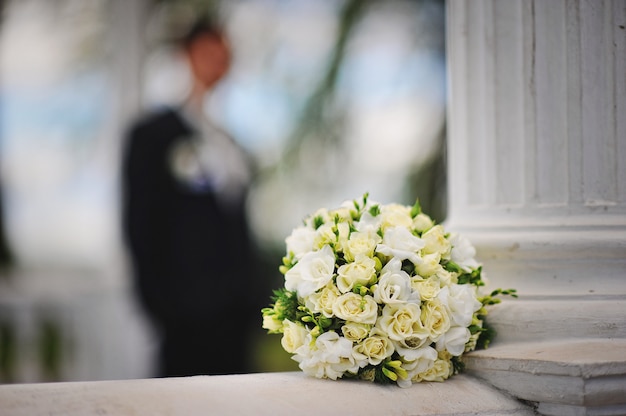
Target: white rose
312, 272
436, 242
294, 335
373, 349
395, 215
454, 340
360, 244
394, 285
362, 271
463, 252
422, 223
356, 308
435, 318
329, 357
322, 301
402, 321
399, 242
300, 241
461, 301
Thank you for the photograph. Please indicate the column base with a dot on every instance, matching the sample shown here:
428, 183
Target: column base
561, 377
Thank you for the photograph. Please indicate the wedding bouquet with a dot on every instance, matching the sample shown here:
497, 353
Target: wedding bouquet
381, 293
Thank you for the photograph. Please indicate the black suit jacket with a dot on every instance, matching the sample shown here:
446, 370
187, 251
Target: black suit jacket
192, 258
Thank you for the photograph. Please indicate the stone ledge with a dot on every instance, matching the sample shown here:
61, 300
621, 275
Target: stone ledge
259, 394
564, 377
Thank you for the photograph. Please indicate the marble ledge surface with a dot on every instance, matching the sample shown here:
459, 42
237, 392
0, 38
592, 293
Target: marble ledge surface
276, 394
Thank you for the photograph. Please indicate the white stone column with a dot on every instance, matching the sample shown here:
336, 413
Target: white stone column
537, 141
537, 181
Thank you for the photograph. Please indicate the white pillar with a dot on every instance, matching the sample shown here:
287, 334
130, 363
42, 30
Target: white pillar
537, 181
537, 142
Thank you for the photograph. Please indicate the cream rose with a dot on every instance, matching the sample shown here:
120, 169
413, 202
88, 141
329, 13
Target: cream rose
312, 272
362, 271
360, 244
322, 301
436, 242
373, 349
440, 371
401, 321
325, 235
435, 318
294, 335
356, 308
429, 265
427, 288
422, 223
355, 332
395, 215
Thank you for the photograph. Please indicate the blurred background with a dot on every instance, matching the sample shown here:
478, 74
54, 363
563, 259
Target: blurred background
332, 98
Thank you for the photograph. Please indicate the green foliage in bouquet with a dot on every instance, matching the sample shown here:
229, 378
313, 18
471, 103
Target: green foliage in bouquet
380, 293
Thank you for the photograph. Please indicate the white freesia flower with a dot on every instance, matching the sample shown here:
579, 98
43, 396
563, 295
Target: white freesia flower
312, 272
368, 224
394, 285
400, 243
422, 360
463, 252
461, 301
321, 214
272, 324
330, 356
454, 340
300, 241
